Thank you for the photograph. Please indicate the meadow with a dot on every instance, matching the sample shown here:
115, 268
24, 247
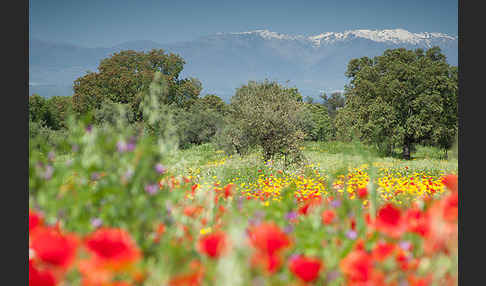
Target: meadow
143, 182
123, 211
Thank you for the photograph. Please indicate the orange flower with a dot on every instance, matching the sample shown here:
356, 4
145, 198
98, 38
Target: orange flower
268, 238
414, 281
357, 266
270, 263
328, 216
450, 206
192, 279
159, 232
53, 247
113, 247
389, 220
213, 244
93, 274
192, 211
305, 268
450, 181
382, 250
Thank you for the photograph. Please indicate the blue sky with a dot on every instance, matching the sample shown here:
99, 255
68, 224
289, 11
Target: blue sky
104, 23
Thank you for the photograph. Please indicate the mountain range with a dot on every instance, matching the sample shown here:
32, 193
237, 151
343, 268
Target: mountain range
225, 61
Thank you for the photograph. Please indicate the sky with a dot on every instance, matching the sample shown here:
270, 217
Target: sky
106, 23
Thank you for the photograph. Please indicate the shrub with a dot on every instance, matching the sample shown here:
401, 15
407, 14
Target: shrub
271, 116
197, 125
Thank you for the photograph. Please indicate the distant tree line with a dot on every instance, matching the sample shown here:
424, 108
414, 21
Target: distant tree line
394, 100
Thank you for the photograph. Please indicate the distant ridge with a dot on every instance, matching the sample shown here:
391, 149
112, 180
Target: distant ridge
225, 61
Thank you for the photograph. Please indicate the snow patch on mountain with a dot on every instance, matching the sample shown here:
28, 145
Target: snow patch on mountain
395, 36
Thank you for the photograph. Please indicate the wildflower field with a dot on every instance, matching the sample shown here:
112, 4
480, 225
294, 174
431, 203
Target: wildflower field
113, 207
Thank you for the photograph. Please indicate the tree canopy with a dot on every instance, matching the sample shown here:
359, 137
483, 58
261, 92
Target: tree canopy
126, 76
401, 98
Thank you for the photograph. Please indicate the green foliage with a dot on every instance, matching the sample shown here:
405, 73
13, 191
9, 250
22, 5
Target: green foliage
197, 125
399, 99
319, 127
269, 115
106, 174
333, 103
126, 76
214, 102
50, 112
38, 108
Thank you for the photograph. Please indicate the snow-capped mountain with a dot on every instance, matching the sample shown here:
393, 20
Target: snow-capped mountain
225, 61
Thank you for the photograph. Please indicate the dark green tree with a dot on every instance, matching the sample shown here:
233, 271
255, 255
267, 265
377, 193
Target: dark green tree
125, 78
333, 103
214, 102
401, 98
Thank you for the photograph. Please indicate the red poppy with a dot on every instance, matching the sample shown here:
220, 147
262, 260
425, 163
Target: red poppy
382, 250
417, 221
213, 244
192, 211
303, 210
450, 207
228, 190
269, 238
423, 281
35, 220
39, 277
389, 220
159, 232
328, 216
305, 268
113, 247
450, 181
357, 266
53, 247
359, 244
362, 193
269, 263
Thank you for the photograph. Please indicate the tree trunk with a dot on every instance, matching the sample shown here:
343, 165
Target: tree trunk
406, 151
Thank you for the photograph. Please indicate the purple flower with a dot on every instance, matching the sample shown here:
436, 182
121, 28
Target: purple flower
96, 222
95, 176
335, 203
128, 174
352, 234
51, 156
291, 215
288, 229
405, 245
151, 189
75, 148
160, 168
121, 146
332, 275
240, 203
130, 146
89, 128
48, 172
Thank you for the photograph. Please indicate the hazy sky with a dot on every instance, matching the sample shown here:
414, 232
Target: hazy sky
95, 23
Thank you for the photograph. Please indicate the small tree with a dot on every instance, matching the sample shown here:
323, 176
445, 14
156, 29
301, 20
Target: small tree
319, 124
270, 115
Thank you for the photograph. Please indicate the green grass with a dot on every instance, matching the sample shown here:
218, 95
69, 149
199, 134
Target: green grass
329, 157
